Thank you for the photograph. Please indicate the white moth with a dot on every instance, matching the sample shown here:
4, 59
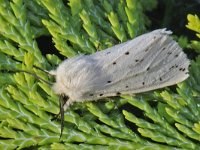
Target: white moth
150, 61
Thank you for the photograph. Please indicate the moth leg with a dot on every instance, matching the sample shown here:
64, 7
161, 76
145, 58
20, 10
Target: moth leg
61, 114
67, 104
55, 117
63, 107
61, 98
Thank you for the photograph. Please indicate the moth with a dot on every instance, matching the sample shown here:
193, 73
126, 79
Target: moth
150, 61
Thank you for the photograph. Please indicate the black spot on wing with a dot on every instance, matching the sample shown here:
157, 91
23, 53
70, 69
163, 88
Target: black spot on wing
181, 69
108, 52
176, 55
169, 53
127, 53
171, 67
118, 93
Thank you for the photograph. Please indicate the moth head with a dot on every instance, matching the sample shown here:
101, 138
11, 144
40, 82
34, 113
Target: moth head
59, 86
69, 76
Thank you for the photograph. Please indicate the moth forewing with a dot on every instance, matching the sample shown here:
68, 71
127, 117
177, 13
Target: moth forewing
150, 61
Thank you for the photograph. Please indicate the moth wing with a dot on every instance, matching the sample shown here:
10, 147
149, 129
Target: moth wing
150, 61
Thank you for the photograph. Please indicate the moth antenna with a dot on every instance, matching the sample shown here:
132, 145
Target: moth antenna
36, 76
48, 72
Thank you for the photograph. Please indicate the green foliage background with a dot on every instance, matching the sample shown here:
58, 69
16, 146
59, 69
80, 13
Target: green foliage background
162, 119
